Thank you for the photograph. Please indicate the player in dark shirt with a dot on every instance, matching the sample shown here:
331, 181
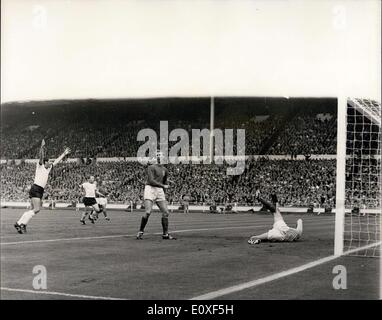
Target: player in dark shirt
154, 192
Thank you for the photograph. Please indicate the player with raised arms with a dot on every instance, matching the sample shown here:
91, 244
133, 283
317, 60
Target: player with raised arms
154, 192
36, 192
280, 231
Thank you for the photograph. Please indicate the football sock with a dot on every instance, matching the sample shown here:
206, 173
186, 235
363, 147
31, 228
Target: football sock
299, 226
165, 225
83, 216
143, 223
25, 218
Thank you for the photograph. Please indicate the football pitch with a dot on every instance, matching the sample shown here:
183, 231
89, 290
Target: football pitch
209, 260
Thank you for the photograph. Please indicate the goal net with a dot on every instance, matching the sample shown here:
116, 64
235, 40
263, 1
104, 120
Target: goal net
362, 179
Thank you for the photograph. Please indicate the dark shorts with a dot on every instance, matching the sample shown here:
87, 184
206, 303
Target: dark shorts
36, 191
89, 201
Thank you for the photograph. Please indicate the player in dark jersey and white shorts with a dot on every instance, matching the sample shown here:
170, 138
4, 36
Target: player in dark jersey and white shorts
36, 192
102, 202
280, 231
154, 192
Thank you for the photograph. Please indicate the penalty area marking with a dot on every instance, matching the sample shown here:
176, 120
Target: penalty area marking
279, 275
59, 294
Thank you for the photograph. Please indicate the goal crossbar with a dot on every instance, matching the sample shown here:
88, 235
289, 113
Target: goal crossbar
372, 112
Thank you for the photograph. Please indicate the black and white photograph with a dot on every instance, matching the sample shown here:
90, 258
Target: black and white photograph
191, 150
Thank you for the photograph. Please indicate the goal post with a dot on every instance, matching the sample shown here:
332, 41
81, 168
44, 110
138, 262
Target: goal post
358, 181
340, 179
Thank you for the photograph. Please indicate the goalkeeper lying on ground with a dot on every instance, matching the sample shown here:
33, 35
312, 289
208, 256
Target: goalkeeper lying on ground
280, 231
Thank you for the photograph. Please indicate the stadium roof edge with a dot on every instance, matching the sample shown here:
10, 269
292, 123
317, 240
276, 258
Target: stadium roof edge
158, 97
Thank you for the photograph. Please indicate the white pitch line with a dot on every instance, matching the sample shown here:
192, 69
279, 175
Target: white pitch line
62, 239
282, 274
60, 294
126, 235
212, 229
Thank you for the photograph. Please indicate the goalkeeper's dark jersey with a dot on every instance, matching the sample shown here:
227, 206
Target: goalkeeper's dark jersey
103, 191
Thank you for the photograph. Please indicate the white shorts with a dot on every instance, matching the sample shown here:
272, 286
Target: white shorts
278, 231
154, 194
102, 201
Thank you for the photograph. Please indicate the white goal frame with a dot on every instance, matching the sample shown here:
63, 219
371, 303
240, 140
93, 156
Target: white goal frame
340, 178
342, 106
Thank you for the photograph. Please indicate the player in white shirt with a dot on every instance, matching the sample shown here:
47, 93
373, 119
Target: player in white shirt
36, 192
90, 188
280, 231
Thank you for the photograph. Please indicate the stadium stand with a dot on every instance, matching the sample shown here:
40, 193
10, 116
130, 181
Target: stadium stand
279, 128
297, 182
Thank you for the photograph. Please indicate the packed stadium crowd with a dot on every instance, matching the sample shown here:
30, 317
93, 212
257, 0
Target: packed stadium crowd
307, 135
112, 132
296, 182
